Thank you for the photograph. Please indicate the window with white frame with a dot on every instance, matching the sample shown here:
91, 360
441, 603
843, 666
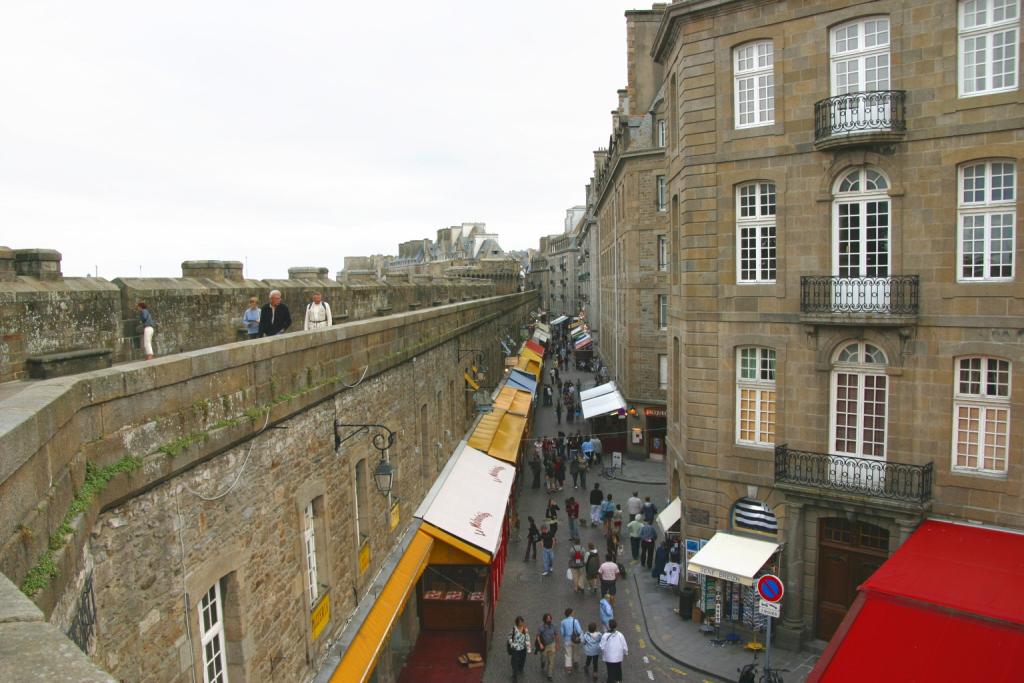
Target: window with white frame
988, 31
662, 312
860, 56
755, 233
860, 391
981, 415
662, 133
661, 192
309, 544
663, 371
754, 84
987, 221
211, 636
663, 253
755, 396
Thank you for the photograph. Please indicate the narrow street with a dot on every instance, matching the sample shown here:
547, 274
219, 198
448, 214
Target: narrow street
528, 594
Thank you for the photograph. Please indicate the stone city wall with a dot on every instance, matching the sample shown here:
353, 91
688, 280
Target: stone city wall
42, 312
103, 477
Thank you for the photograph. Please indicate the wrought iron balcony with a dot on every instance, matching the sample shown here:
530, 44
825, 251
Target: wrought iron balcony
862, 476
859, 118
860, 297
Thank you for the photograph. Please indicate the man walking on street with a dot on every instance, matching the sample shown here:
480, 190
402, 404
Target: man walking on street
648, 536
634, 505
572, 511
609, 571
547, 643
547, 543
572, 633
577, 558
558, 411
634, 528
613, 650
596, 497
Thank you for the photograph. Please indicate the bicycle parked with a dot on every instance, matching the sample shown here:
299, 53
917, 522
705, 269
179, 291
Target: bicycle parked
748, 674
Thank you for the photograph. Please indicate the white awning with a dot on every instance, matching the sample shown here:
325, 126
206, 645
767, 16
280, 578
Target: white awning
601, 400
733, 558
672, 513
559, 320
469, 498
541, 336
543, 328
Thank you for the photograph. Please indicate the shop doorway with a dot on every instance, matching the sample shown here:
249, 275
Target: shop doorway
848, 553
656, 424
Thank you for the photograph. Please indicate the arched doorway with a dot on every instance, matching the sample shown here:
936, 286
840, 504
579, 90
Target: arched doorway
848, 553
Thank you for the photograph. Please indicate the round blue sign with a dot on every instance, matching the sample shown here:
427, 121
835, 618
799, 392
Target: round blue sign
769, 587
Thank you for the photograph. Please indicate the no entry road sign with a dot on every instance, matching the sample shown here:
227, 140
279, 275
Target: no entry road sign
769, 587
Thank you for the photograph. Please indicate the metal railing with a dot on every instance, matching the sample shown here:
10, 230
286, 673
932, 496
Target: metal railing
898, 294
880, 111
878, 478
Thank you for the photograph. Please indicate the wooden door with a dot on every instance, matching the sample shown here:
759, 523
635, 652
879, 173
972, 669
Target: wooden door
848, 553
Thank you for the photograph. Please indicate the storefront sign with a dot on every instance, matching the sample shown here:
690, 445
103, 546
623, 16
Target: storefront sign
320, 616
395, 515
364, 557
655, 412
720, 574
770, 609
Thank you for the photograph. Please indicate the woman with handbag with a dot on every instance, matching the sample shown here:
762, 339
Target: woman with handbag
591, 649
518, 646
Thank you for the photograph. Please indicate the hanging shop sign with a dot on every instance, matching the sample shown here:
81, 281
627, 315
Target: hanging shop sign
655, 412
321, 616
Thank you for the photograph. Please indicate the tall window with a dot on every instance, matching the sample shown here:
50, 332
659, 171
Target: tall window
662, 312
309, 543
860, 56
859, 401
755, 233
662, 133
981, 415
988, 46
662, 371
987, 219
211, 636
663, 253
755, 396
661, 192
754, 84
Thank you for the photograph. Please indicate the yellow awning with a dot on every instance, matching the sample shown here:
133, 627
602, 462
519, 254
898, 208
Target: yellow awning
481, 556
506, 442
505, 398
360, 659
532, 367
531, 354
521, 403
483, 435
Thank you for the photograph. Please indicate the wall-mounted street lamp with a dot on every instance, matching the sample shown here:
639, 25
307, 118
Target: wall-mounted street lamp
382, 438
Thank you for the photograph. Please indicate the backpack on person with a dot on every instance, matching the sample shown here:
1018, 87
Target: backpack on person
593, 562
576, 559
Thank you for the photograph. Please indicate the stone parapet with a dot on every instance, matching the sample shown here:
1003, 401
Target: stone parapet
7, 271
42, 264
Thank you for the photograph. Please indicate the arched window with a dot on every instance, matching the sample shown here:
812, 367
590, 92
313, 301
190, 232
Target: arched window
755, 233
860, 391
860, 241
986, 220
754, 84
981, 415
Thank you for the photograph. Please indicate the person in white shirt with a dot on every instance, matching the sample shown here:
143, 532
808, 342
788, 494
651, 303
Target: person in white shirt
613, 650
318, 314
634, 505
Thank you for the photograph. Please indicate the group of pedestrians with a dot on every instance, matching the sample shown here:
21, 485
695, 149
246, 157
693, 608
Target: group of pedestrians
274, 317
589, 646
555, 457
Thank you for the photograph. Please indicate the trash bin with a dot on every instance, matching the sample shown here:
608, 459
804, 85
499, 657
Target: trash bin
686, 597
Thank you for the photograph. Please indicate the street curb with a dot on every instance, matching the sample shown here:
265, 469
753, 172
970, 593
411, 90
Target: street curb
637, 481
659, 648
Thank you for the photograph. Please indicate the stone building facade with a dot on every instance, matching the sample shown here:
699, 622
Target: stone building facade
845, 334
628, 195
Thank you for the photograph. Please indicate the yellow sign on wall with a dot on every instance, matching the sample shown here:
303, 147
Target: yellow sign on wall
364, 557
320, 616
395, 516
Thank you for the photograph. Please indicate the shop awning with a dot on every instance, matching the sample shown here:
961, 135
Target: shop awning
468, 498
531, 355
672, 513
360, 657
541, 336
601, 400
508, 437
946, 606
559, 320
544, 328
486, 428
513, 400
522, 380
535, 347
583, 342
529, 365
733, 558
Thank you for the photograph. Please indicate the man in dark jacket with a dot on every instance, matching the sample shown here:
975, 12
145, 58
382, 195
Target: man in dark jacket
274, 317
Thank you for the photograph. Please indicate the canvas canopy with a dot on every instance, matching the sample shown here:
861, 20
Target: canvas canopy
601, 400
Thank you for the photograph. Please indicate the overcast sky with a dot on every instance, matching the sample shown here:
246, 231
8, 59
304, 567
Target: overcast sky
141, 134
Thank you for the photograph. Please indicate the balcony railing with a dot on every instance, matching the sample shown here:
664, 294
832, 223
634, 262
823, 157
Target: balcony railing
876, 478
879, 112
895, 295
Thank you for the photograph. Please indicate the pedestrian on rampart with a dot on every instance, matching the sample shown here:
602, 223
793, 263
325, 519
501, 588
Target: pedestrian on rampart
148, 326
275, 317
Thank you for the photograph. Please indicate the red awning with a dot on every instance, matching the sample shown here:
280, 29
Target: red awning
947, 606
535, 347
